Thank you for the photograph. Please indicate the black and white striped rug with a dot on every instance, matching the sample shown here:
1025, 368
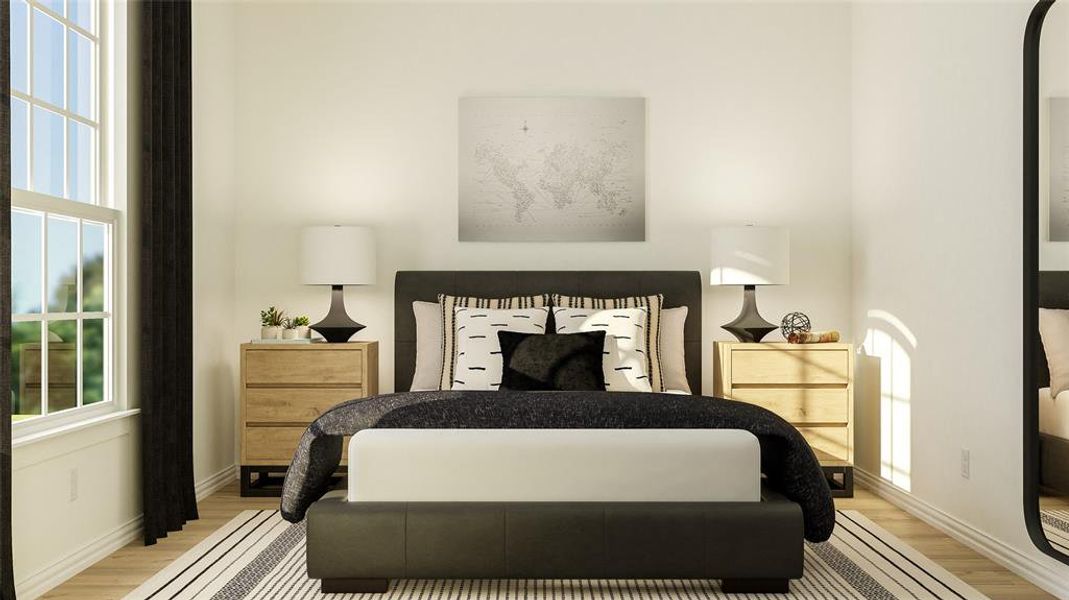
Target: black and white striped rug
260, 556
1056, 526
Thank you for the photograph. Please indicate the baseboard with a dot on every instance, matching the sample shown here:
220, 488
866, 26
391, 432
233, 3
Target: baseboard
49, 577
53, 575
1050, 579
214, 483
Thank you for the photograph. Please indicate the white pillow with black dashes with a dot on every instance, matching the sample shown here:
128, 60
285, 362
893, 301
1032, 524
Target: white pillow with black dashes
625, 361
478, 365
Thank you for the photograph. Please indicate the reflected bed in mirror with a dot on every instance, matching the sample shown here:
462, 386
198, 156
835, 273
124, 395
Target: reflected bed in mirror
1052, 406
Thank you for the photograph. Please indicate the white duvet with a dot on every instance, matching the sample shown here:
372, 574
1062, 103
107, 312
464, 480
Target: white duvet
554, 465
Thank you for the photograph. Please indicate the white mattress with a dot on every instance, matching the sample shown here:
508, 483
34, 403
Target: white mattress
554, 465
1054, 413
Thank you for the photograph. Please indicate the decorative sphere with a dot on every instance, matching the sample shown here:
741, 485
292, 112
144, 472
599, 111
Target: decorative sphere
794, 322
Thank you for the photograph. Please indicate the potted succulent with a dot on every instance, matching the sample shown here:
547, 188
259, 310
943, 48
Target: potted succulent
300, 324
288, 332
271, 321
295, 328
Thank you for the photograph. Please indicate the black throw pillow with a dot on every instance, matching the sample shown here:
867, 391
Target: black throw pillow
533, 361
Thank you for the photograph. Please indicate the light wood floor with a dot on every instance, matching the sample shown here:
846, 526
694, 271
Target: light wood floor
1054, 502
127, 568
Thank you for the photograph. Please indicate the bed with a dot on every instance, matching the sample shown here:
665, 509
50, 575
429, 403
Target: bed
750, 536
1054, 441
1053, 412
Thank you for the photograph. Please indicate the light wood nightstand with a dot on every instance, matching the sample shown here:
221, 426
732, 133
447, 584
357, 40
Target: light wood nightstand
284, 387
810, 385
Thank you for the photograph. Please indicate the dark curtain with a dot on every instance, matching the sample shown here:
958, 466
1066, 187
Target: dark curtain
166, 274
7, 576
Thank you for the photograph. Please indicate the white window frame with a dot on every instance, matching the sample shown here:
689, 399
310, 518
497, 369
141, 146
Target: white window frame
109, 210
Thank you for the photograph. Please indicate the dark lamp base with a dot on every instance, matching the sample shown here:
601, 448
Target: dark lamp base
749, 326
337, 327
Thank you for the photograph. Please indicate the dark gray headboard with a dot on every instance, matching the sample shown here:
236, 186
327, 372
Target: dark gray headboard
680, 288
1053, 293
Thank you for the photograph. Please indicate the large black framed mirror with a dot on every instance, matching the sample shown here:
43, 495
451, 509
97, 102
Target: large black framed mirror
1046, 278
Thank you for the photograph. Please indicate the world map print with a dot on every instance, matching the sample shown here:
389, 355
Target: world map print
552, 169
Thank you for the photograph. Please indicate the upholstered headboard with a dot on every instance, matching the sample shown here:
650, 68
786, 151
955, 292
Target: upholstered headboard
680, 288
1053, 293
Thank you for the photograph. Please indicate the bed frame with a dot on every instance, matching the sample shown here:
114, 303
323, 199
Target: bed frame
356, 547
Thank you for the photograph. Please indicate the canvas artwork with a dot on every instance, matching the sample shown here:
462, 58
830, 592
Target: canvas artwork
552, 169
1058, 190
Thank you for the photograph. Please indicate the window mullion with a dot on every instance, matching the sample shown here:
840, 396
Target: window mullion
66, 106
66, 21
59, 110
72, 208
80, 347
30, 83
44, 342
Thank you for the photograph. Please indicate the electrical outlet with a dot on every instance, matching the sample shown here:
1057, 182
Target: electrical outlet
966, 463
74, 485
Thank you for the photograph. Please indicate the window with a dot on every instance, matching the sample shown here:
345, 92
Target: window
62, 224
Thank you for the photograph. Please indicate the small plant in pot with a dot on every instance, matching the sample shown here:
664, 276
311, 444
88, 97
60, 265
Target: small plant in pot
288, 332
300, 325
271, 321
295, 328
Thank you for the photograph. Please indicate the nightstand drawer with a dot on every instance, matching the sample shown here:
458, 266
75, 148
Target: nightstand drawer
789, 367
800, 405
296, 405
276, 445
831, 440
304, 367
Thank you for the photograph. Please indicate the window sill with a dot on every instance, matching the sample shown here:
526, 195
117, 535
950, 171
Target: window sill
63, 429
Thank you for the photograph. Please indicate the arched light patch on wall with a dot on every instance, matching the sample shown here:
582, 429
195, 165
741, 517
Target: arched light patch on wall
889, 345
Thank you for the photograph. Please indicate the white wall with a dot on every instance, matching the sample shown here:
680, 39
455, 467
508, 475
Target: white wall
748, 120
215, 339
53, 530
937, 221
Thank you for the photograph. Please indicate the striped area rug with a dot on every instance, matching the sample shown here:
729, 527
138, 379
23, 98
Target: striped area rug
1056, 526
260, 556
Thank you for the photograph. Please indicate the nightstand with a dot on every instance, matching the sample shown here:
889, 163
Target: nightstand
810, 385
284, 387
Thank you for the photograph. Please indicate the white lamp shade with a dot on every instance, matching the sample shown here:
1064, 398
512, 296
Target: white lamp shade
338, 255
751, 256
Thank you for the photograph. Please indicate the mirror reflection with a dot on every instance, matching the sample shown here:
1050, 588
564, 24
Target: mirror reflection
1052, 364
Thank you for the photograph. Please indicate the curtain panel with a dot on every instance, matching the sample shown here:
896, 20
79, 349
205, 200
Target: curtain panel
166, 268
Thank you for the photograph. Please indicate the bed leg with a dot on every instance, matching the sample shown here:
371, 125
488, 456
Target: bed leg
354, 586
755, 586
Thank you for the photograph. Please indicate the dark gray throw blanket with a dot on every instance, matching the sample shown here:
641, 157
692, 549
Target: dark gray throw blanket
786, 458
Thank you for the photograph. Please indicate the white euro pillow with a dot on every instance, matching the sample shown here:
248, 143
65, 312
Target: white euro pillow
673, 351
428, 373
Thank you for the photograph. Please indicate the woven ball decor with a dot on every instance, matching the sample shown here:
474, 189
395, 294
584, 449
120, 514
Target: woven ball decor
794, 322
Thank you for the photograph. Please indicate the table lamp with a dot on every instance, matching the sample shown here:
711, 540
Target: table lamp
750, 256
337, 256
